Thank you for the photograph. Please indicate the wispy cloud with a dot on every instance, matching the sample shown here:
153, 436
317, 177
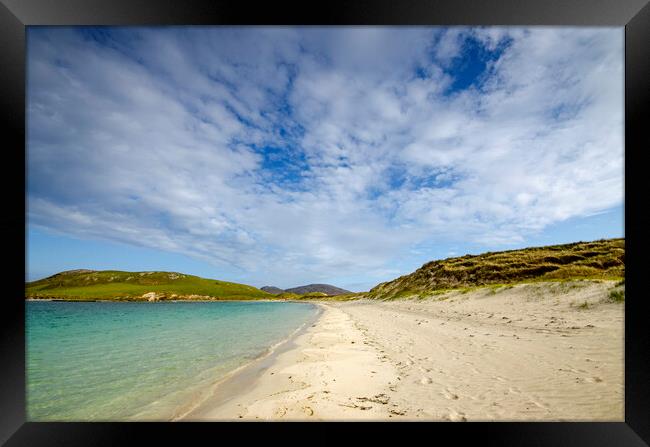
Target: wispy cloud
285, 155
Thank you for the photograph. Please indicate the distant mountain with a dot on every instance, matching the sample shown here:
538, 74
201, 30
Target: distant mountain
271, 289
604, 259
323, 288
140, 286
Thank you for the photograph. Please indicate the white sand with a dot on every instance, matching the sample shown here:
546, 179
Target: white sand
524, 353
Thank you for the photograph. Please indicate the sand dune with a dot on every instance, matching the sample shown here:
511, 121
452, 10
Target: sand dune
529, 352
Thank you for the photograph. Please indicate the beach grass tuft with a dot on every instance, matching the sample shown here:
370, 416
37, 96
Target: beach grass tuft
617, 295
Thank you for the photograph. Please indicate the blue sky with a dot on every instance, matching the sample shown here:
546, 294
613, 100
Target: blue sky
285, 156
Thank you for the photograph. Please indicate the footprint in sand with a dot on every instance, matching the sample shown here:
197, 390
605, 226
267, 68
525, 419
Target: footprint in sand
457, 416
426, 380
451, 396
538, 405
308, 411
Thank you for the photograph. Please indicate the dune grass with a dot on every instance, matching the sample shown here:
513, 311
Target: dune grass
603, 259
617, 295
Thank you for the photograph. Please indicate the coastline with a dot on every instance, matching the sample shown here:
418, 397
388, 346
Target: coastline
530, 352
157, 382
261, 300
235, 380
313, 378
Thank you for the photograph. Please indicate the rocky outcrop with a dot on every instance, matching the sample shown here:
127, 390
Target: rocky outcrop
152, 296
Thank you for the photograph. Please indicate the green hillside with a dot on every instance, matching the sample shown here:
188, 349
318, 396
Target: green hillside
118, 285
603, 259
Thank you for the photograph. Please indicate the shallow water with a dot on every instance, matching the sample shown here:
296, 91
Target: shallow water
125, 361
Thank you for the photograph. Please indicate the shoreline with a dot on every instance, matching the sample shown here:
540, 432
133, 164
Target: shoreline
531, 352
286, 385
263, 300
244, 375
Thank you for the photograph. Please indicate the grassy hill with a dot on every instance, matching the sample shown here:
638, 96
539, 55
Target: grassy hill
602, 259
118, 285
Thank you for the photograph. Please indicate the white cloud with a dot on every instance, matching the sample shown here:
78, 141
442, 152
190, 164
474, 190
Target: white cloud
156, 140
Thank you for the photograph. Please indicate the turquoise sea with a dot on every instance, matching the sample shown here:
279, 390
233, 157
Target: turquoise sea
104, 361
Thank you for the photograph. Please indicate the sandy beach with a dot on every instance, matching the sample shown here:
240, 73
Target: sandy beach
530, 352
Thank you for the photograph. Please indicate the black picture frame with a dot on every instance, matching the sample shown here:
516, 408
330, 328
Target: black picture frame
634, 15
